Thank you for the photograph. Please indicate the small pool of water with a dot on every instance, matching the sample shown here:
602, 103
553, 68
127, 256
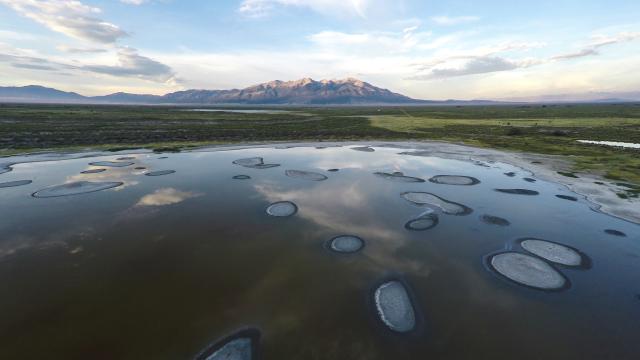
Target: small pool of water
612, 143
242, 111
308, 253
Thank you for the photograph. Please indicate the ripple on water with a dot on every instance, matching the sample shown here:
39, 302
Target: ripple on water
5, 169
93, 171
346, 244
254, 163
554, 252
305, 175
126, 158
528, 270
615, 232
160, 172
531, 180
494, 220
282, 209
240, 346
75, 188
111, 163
242, 177
518, 191
425, 221
448, 207
510, 174
333, 170
394, 307
567, 197
454, 180
15, 183
399, 177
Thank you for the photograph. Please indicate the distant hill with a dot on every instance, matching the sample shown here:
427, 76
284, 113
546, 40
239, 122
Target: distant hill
34, 93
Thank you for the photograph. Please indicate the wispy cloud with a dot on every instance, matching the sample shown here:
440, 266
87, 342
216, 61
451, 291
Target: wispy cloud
134, 2
598, 42
453, 20
69, 17
261, 8
132, 64
80, 50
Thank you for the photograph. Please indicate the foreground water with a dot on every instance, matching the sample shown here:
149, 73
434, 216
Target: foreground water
308, 253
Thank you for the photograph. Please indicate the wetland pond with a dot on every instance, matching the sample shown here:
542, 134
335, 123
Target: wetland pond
285, 252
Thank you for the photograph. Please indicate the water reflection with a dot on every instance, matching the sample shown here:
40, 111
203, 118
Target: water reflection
166, 196
199, 252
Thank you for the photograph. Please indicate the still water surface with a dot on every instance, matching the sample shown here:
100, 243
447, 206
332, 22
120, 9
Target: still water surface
160, 267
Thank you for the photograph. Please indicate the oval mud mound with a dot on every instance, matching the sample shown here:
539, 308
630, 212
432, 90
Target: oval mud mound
240, 346
282, 209
494, 220
75, 188
305, 175
423, 222
528, 271
346, 244
111, 163
254, 163
160, 172
363, 148
454, 180
399, 177
15, 183
394, 307
429, 199
567, 197
615, 233
93, 171
518, 191
553, 252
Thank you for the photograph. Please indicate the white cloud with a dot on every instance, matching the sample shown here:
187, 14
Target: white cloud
455, 20
69, 17
260, 8
133, 2
597, 42
131, 64
473, 66
371, 42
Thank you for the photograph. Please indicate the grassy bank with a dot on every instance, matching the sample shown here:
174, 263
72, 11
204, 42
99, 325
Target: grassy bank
551, 129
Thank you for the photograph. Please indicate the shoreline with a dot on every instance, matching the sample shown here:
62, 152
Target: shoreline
601, 193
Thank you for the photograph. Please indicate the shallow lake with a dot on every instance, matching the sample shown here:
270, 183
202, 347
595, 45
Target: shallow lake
242, 111
345, 252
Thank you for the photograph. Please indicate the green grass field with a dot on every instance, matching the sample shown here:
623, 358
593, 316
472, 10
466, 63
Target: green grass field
544, 129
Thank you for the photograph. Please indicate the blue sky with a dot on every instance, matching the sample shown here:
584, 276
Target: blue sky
425, 49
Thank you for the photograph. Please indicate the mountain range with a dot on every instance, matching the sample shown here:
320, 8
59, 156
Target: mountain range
299, 92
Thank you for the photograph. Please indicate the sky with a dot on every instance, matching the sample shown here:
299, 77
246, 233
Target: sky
454, 49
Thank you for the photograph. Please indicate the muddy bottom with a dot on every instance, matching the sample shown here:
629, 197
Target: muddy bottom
317, 251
